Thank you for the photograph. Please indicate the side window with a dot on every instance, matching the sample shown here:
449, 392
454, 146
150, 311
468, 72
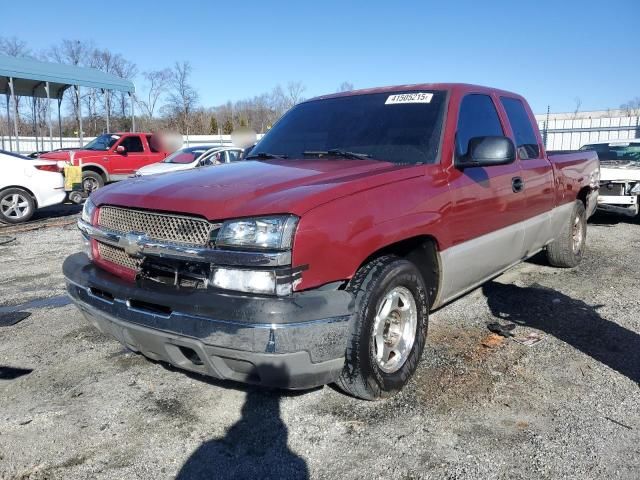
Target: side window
133, 144
233, 155
478, 118
526, 140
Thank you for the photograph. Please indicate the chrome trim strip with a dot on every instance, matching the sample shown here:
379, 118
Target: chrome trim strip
146, 246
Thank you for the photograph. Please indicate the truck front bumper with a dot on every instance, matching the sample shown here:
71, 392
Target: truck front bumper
289, 342
620, 204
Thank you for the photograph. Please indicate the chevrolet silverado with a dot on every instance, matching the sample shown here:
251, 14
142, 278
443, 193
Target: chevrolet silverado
319, 258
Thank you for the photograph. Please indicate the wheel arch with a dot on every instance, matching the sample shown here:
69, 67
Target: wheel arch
92, 167
21, 187
422, 250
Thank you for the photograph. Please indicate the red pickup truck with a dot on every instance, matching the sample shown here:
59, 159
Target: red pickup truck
320, 260
112, 156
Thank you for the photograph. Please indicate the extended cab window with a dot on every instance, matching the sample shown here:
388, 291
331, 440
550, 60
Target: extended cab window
133, 144
526, 140
478, 118
398, 127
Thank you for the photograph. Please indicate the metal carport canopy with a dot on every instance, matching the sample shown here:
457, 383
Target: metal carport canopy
29, 74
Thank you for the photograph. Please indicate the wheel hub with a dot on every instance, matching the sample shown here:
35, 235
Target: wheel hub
394, 329
14, 206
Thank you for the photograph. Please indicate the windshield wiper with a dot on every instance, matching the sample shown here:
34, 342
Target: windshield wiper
335, 152
265, 156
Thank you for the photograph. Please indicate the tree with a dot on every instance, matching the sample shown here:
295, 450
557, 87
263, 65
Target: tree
632, 107
213, 125
345, 87
227, 128
183, 97
294, 93
158, 82
14, 47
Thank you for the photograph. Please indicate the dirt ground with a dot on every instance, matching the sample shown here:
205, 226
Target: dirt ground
75, 405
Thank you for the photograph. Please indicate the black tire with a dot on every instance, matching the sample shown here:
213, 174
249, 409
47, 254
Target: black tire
16, 212
91, 181
362, 377
563, 251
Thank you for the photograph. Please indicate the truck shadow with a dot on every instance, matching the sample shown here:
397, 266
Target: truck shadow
572, 321
254, 447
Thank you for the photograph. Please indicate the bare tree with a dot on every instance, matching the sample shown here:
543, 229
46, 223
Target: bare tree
632, 107
14, 47
576, 110
158, 83
345, 87
183, 97
294, 93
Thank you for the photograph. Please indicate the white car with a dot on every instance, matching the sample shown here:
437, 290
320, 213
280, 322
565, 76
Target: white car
192, 157
27, 184
619, 175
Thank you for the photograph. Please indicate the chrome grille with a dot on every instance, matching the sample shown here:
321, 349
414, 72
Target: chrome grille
118, 256
178, 229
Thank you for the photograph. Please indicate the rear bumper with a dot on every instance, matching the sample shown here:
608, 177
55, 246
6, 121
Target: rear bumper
291, 342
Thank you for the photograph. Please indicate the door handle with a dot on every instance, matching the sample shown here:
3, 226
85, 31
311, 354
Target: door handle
517, 184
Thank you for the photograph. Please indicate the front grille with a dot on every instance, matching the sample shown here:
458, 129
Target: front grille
118, 256
176, 229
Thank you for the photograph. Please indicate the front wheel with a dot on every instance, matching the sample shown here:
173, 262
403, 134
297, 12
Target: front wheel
91, 181
567, 249
388, 330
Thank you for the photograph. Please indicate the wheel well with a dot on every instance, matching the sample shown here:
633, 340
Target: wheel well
98, 170
423, 252
35, 200
583, 195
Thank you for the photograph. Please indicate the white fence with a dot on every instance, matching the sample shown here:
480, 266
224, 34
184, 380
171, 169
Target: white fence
571, 134
29, 144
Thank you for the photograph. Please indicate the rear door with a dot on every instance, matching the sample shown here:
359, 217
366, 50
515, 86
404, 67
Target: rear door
154, 155
487, 215
537, 175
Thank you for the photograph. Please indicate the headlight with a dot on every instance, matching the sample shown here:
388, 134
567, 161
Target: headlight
274, 232
635, 190
87, 210
252, 281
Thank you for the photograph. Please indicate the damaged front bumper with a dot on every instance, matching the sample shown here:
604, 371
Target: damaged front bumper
293, 342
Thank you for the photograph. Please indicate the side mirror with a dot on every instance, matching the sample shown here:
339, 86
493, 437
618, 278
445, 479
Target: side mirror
488, 151
121, 150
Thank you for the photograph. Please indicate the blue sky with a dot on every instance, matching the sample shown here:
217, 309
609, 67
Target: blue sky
552, 52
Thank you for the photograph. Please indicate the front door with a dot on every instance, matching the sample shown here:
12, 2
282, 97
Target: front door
134, 157
488, 206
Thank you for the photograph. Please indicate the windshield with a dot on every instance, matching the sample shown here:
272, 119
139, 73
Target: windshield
185, 156
618, 151
103, 142
402, 128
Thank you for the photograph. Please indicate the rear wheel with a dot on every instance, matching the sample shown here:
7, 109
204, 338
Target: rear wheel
567, 249
91, 181
16, 205
388, 330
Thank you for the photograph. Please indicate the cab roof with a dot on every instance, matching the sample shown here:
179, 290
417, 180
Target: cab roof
461, 88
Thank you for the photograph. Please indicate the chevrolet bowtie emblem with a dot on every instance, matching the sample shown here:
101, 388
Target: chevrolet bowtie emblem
132, 243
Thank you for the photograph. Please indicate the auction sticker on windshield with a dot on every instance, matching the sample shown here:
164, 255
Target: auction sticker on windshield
417, 97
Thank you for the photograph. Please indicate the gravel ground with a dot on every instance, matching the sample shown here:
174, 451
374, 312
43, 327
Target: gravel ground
75, 405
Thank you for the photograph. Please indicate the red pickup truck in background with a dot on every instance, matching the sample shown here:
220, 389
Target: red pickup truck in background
113, 156
320, 260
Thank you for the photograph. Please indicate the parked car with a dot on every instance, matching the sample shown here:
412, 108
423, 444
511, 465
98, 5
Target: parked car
112, 156
320, 260
619, 175
27, 184
192, 157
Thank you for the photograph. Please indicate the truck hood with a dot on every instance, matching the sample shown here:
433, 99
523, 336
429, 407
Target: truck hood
620, 170
66, 155
162, 167
254, 187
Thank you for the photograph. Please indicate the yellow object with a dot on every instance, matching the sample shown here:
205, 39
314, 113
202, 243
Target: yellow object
72, 178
